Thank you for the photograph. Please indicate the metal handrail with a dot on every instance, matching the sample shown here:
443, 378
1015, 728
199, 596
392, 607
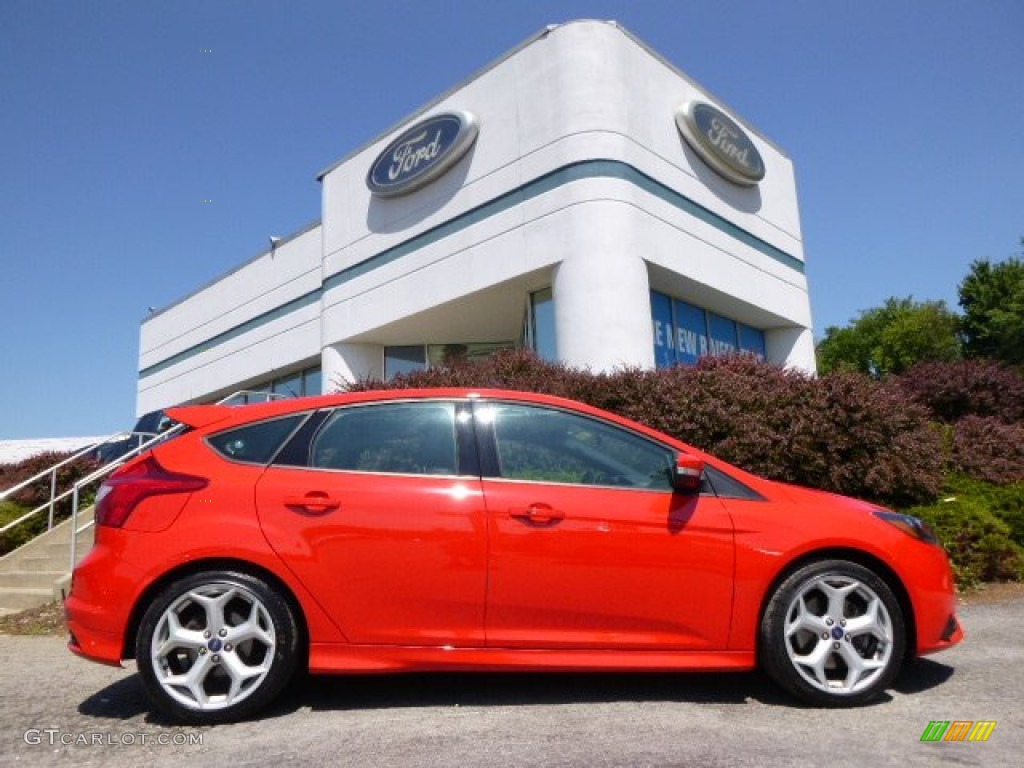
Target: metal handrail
145, 441
108, 468
103, 471
249, 392
53, 470
116, 437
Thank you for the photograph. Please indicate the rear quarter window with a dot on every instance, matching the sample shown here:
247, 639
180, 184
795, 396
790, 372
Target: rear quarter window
255, 443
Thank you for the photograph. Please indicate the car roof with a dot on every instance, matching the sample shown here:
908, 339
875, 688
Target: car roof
224, 416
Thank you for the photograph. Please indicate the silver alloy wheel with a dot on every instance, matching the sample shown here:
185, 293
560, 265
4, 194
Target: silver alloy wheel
838, 634
213, 646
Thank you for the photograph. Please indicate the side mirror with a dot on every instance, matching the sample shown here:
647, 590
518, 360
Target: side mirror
687, 474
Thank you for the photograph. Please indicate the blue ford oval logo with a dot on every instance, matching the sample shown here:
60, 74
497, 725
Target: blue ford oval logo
422, 153
720, 142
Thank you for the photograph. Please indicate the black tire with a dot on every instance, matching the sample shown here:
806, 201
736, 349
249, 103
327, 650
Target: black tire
233, 681
793, 648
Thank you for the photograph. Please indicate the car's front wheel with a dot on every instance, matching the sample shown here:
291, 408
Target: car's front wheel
833, 634
216, 646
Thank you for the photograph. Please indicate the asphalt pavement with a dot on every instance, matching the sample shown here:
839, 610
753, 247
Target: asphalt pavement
56, 709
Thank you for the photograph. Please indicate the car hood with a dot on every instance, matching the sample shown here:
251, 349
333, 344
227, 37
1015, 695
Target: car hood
811, 497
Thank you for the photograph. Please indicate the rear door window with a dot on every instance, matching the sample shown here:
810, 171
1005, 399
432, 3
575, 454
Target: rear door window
399, 438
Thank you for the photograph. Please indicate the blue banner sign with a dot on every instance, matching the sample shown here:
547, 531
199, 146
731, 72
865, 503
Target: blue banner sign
664, 330
684, 333
722, 335
422, 154
751, 340
691, 332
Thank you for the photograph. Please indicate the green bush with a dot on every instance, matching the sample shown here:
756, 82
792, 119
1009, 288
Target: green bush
1004, 501
20, 534
38, 493
979, 543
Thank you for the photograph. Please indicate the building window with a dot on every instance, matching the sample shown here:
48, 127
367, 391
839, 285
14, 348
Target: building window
289, 386
721, 335
684, 333
312, 382
298, 384
540, 326
440, 355
751, 340
420, 357
404, 360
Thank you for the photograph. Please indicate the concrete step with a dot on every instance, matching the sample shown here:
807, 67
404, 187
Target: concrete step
39, 561
29, 579
44, 558
55, 543
13, 599
35, 574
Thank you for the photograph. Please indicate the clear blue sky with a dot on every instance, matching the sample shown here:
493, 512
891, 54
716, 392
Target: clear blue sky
905, 121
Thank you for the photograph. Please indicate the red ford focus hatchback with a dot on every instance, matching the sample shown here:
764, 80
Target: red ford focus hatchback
484, 530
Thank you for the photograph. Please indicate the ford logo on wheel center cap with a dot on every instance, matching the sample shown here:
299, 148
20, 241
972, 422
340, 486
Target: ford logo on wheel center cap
422, 153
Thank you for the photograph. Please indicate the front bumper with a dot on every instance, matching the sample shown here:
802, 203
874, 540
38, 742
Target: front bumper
933, 593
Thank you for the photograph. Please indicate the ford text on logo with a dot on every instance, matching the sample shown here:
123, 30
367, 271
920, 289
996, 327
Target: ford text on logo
422, 153
720, 143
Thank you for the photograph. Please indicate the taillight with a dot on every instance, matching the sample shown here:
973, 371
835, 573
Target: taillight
126, 488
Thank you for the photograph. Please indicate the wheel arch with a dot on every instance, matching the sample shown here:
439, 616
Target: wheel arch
215, 564
860, 557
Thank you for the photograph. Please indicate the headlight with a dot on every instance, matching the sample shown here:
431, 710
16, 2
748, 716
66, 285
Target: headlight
913, 526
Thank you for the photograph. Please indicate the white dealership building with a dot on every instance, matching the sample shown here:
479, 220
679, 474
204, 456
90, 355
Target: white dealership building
581, 196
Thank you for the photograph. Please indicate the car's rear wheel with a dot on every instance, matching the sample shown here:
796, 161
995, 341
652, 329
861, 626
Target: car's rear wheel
216, 646
833, 634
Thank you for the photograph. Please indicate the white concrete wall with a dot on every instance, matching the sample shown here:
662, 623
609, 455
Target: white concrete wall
586, 90
583, 91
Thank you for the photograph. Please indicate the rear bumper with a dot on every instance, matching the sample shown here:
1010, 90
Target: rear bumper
98, 608
95, 647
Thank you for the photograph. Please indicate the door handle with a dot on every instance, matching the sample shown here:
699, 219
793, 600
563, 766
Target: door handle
314, 501
537, 514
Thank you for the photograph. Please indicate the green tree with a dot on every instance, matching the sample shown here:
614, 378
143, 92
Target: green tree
891, 338
992, 298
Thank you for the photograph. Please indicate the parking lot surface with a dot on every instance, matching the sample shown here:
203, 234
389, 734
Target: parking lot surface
56, 709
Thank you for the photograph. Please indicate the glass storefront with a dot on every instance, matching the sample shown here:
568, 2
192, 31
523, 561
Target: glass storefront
684, 333
298, 384
405, 359
541, 329
419, 357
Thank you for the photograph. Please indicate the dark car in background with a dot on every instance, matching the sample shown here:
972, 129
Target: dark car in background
146, 428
